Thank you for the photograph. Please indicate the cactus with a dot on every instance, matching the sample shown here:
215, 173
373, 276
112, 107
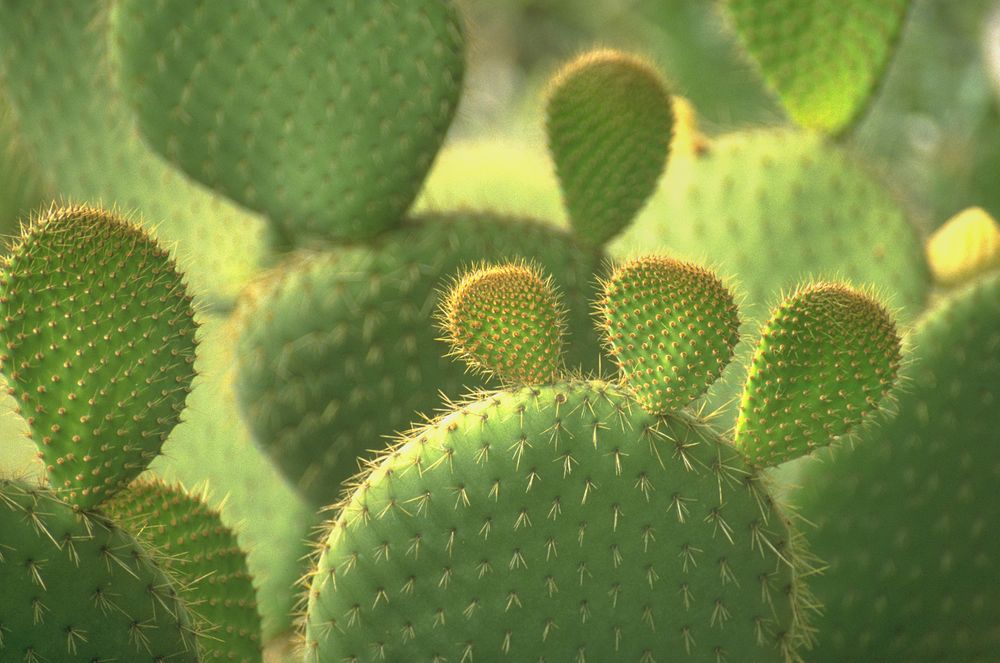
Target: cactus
98, 336
79, 588
203, 555
966, 246
563, 520
822, 58
905, 521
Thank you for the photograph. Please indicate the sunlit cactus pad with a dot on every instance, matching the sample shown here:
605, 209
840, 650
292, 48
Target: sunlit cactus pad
201, 553
324, 116
609, 122
98, 339
78, 588
557, 523
822, 57
827, 358
671, 327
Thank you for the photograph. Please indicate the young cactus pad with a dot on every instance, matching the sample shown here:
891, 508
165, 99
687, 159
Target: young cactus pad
671, 327
563, 522
98, 344
822, 57
609, 126
324, 116
825, 361
78, 588
967, 245
506, 320
204, 556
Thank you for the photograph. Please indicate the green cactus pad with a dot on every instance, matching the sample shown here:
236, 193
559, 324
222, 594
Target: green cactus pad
78, 588
324, 116
60, 80
203, 555
609, 121
670, 326
22, 188
506, 320
907, 519
97, 333
212, 450
557, 523
338, 348
823, 58
825, 361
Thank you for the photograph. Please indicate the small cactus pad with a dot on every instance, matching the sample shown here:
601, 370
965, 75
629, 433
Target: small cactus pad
822, 57
558, 523
609, 124
670, 326
338, 348
967, 245
907, 521
98, 344
825, 361
506, 320
323, 115
203, 555
78, 588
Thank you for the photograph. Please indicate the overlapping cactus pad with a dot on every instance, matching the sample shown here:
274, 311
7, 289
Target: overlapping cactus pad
575, 519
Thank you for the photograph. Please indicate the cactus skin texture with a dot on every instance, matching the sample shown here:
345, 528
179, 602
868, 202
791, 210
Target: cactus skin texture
907, 520
84, 140
565, 522
332, 113
76, 587
609, 122
337, 348
825, 343
203, 555
823, 58
966, 246
98, 338
666, 358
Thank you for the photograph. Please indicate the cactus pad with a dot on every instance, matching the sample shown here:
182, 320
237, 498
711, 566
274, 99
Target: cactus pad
967, 245
78, 588
825, 361
609, 124
671, 327
558, 523
907, 520
338, 348
324, 116
98, 347
203, 554
822, 57
506, 320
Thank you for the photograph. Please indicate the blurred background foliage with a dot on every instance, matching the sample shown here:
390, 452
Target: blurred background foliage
931, 129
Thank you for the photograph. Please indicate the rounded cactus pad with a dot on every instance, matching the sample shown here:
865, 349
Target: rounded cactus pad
826, 359
967, 245
98, 345
670, 326
325, 116
204, 556
823, 58
558, 523
78, 588
506, 320
609, 121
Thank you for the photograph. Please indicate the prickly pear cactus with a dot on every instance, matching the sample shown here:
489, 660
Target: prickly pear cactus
98, 344
76, 587
564, 521
338, 350
332, 114
204, 557
966, 246
823, 58
906, 520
